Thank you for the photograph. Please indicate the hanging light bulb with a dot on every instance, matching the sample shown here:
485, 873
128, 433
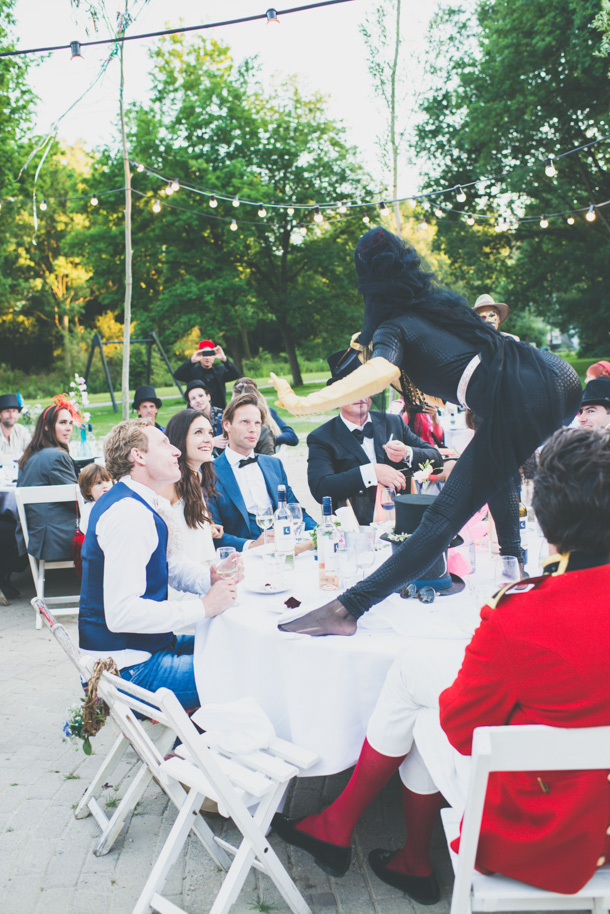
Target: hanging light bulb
233, 225
342, 208
544, 222
43, 205
549, 169
439, 213
94, 201
412, 201
470, 219
570, 220
317, 215
175, 186
213, 202
290, 210
498, 227
156, 207
460, 196
424, 225
272, 17
139, 167
235, 200
75, 53
591, 214
383, 210
169, 189
366, 219
262, 211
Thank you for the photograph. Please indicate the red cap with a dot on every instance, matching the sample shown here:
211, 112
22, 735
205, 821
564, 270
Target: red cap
207, 344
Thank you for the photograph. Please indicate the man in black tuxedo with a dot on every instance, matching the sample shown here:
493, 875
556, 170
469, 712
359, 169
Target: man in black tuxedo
358, 449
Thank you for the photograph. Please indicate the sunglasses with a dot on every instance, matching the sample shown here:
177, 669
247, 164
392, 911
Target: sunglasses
425, 594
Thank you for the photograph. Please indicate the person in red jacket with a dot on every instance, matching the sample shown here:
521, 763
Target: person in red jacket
539, 656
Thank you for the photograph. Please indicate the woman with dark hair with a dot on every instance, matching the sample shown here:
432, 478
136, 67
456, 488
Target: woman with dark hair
46, 462
423, 338
190, 525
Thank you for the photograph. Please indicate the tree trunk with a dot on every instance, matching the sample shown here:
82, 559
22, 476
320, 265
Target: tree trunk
297, 378
66, 335
393, 140
128, 275
245, 341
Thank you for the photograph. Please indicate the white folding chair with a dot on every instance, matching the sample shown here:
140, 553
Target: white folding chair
236, 783
164, 738
36, 495
527, 748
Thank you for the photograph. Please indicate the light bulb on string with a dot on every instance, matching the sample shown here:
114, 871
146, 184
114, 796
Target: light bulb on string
262, 211
544, 222
317, 215
175, 186
156, 207
549, 169
591, 214
460, 196
43, 205
424, 225
75, 53
169, 190
383, 210
570, 220
235, 200
366, 220
272, 17
469, 219
412, 201
139, 167
342, 208
290, 210
233, 225
94, 201
213, 202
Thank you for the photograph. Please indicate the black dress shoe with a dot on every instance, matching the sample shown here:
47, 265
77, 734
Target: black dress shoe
423, 889
332, 858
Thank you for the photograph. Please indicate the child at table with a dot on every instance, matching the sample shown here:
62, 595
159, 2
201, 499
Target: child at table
93, 481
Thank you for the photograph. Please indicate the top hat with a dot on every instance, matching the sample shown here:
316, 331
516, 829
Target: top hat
10, 401
206, 345
342, 363
146, 394
409, 512
484, 302
192, 385
597, 393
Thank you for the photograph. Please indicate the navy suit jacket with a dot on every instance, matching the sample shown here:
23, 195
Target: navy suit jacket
229, 509
335, 458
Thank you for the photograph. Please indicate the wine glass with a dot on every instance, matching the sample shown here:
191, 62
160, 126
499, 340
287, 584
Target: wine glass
264, 518
365, 550
506, 570
228, 562
386, 500
296, 512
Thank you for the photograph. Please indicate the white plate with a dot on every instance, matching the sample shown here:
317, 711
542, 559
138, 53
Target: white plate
262, 587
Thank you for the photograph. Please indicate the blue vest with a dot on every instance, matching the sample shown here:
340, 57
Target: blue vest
94, 634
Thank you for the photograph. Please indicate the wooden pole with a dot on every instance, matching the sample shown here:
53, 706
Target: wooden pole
128, 274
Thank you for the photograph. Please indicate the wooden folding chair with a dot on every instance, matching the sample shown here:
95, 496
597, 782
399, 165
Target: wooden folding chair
164, 738
36, 495
526, 748
236, 783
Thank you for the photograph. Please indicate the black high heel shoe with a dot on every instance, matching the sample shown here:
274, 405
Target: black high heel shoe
332, 858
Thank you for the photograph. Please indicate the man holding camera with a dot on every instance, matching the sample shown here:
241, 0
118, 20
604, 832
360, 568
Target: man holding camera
201, 367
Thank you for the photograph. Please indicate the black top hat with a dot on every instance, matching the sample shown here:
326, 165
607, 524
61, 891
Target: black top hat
192, 385
409, 512
341, 364
10, 401
597, 393
147, 394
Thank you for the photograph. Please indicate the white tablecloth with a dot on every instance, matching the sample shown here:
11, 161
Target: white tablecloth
317, 692
8, 501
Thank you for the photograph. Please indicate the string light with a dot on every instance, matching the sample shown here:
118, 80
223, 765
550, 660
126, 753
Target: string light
262, 211
236, 200
317, 215
233, 225
366, 220
460, 196
591, 214
383, 210
169, 189
544, 222
290, 210
570, 220
94, 200
272, 16
43, 205
175, 186
424, 225
75, 51
342, 208
213, 202
469, 219
156, 207
139, 167
549, 169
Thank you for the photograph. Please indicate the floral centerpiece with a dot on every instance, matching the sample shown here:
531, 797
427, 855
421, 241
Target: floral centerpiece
79, 396
422, 476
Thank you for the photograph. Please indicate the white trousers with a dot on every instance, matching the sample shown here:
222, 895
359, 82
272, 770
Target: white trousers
406, 719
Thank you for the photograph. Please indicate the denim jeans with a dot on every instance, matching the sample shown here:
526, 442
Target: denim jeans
171, 669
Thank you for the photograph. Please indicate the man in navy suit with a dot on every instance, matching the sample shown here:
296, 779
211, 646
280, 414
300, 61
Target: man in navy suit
245, 479
352, 454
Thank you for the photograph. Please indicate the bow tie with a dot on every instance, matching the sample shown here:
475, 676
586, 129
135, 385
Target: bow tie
365, 432
247, 461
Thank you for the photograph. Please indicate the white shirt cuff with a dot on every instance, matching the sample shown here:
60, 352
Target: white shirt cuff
369, 477
408, 458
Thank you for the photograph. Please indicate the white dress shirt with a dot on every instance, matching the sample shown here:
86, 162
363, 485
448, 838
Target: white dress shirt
367, 470
127, 535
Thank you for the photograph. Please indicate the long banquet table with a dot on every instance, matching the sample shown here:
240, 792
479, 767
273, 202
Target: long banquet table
317, 692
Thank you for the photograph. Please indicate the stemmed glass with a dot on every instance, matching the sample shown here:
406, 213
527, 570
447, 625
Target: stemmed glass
228, 562
296, 512
506, 570
387, 496
264, 518
365, 550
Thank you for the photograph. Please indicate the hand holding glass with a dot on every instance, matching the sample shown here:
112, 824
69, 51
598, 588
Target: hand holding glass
264, 518
228, 562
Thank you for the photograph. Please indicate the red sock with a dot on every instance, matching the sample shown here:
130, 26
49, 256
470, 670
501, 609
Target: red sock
421, 810
336, 824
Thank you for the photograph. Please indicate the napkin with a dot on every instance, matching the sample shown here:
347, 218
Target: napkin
237, 727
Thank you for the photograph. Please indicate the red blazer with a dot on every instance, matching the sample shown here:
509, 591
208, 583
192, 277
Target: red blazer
540, 657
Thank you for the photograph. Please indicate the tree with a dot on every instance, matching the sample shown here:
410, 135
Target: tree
520, 82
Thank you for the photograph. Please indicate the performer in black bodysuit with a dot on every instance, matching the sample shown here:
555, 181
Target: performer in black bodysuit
426, 337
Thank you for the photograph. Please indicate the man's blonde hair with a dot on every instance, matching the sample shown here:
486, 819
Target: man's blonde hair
119, 443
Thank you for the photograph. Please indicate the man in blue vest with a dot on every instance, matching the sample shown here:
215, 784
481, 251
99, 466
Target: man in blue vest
124, 611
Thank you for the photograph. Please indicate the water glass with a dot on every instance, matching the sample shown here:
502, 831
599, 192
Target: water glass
506, 570
296, 511
365, 550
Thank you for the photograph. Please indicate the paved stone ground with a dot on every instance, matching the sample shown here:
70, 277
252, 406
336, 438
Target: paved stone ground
46, 860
